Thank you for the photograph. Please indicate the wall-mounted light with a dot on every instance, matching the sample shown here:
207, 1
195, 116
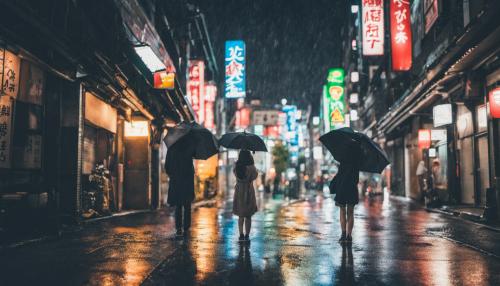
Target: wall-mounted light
354, 76
354, 98
354, 115
316, 120
150, 59
136, 129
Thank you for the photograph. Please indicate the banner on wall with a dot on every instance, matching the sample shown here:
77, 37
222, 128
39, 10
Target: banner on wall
9, 73
235, 69
373, 27
401, 42
5, 130
195, 88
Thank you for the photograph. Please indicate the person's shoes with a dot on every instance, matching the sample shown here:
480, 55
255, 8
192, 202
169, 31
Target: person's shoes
343, 238
178, 233
348, 239
241, 239
247, 238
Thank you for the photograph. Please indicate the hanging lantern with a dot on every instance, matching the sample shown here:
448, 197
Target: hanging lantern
424, 138
495, 103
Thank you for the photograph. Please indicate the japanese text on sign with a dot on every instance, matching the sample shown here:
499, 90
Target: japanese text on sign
5, 130
235, 69
195, 88
401, 42
373, 27
210, 95
9, 73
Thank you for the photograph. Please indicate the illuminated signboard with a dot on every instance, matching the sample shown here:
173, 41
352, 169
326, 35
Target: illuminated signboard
195, 87
210, 95
9, 73
6, 112
164, 80
335, 75
495, 103
242, 118
235, 69
334, 107
291, 124
442, 115
401, 42
424, 138
373, 27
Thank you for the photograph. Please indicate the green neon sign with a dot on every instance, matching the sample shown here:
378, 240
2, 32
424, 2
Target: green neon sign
336, 76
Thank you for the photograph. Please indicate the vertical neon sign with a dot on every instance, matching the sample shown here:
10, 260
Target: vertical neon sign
235, 69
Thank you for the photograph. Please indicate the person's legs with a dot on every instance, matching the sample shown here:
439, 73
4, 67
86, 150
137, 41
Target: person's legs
241, 220
350, 219
187, 216
343, 219
248, 225
178, 218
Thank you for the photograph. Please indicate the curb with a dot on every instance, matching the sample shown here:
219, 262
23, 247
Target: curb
120, 214
464, 216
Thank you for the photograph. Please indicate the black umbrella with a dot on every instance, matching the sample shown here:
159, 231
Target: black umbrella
205, 142
340, 141
243, 140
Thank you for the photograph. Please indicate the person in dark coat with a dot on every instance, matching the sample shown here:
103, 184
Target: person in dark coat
346, 189
179, 167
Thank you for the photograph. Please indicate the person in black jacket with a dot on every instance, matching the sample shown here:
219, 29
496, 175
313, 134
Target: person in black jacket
345, 186
180, 169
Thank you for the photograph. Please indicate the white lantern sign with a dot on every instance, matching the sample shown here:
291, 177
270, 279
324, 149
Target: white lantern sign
442, 115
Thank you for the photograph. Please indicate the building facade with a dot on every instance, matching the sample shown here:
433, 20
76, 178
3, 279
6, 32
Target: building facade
80, 110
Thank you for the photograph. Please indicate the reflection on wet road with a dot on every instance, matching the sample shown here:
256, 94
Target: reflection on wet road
295, 244
292, 243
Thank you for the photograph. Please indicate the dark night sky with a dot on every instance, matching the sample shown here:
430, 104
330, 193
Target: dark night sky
290, 44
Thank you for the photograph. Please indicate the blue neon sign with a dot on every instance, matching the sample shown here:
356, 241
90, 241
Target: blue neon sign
235, 69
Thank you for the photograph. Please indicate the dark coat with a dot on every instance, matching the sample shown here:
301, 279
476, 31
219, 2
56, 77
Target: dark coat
346, 181
180, 169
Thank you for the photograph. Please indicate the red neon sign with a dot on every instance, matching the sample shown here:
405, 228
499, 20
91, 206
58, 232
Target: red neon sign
424, 138
195, 88
401, 42
495, 103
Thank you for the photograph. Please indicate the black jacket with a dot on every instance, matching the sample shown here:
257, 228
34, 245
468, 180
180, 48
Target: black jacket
180, 169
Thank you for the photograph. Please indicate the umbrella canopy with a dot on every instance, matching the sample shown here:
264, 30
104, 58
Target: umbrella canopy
338, 142
243, 140
204, 141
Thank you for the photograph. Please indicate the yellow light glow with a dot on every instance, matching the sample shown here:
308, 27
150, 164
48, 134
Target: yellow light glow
136, 129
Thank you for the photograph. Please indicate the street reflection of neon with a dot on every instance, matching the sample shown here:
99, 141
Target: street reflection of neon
206, 235
135, 270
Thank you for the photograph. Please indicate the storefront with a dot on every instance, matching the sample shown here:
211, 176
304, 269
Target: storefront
31, 140
99, 192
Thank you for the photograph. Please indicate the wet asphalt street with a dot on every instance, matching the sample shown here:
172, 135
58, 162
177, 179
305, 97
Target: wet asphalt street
292, 243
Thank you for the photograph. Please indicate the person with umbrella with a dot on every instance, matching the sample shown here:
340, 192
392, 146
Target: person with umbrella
185, 142
179, 167
345, 186
356, 152
244, 202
